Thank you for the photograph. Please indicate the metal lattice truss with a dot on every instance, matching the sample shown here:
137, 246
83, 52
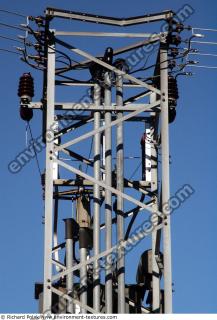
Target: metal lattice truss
115, 115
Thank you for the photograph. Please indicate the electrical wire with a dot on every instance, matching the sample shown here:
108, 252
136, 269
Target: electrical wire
205, 42
33, 144
11, 26
132, 220
146, 61
135, 171
25, 58
204, 29
158, 64
206, 67
10, 51
91, 147
13, 13
72, 79
11, 39
203, 54
58, 59
55, 50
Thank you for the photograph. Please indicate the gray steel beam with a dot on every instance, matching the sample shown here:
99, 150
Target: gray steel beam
69, 262
105, 186
48, 234
108, 194
131, 241
89, 84
72, 300
107, 66
79, 106
165, 179
116, 52
154, 189
83, 279
86, 17
96, 203
107, 34
120, 202
102, 128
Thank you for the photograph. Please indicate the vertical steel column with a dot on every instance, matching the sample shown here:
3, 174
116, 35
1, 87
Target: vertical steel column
56, 201
154, 189
96, 203
108, 196
83, 279
47, 295
165, 178
83, 221
69, 261
120, 202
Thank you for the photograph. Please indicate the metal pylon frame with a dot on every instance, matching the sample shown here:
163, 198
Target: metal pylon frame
102, 180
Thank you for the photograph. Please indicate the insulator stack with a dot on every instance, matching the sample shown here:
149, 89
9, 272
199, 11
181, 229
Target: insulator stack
108, 56
26, 114
26, 88
171, 64
121, 64
173, 39
173, 93
26, 93
39, 20
179, 27
174, 52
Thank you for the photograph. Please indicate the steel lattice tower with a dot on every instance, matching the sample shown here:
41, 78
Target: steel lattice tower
101, 197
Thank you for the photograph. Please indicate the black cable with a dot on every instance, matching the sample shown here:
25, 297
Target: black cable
74, 256
11, 39
61, 61
33, 144
134, 172
10, 51
72, 79
55, 50
58, 59
25, 58
157, 76
11, 26
14, 13
136, 210
91, 146
150, 54
135, 214
157, 64
31, 64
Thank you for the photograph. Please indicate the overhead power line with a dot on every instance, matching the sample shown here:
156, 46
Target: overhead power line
206, 67
11, 39
204, 29
11, 26
10, 51
203, 54
13, 13
205, 42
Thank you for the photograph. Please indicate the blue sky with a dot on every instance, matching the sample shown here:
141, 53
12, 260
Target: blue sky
193, 154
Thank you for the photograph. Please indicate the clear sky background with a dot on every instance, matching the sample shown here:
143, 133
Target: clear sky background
193, 152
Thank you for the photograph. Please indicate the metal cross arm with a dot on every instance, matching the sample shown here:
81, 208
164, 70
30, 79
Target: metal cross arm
103, 185
121, 22
106, 34
116, 52
107, 66
72, 300
83, 106
102, 128
128, 183
134, 239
